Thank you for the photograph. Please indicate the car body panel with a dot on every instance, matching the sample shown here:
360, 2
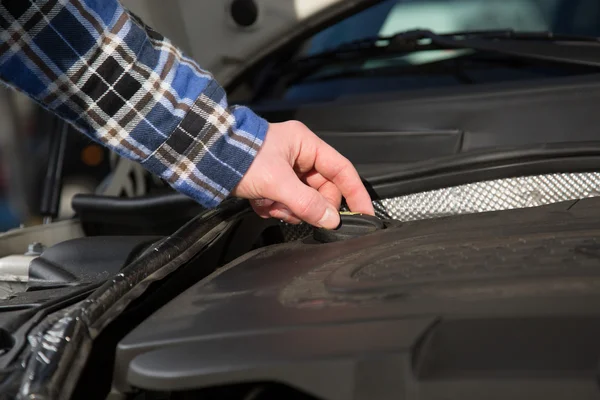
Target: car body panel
217, 43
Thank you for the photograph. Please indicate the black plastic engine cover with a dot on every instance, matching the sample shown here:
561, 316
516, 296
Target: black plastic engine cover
86, 259
502, 305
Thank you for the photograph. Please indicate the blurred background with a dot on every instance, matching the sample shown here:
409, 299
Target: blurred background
222, 36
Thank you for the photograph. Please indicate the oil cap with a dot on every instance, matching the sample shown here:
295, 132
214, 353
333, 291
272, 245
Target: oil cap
351, 225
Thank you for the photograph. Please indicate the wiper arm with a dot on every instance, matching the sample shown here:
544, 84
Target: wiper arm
547, 46
413, 38
523, 35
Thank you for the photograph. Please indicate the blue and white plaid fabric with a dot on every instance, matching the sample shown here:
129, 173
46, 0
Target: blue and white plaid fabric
124, 85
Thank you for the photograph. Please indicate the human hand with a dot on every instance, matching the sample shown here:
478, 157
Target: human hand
297, 176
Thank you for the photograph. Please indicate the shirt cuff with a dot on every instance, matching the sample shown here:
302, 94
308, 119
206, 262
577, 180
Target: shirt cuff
212, 148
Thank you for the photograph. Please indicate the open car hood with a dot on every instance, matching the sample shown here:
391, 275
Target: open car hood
206, 30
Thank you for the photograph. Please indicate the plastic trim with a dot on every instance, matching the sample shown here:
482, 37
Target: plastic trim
60, 345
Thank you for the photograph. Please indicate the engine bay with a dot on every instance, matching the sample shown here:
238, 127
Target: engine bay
496, 296
495, 305
477, 277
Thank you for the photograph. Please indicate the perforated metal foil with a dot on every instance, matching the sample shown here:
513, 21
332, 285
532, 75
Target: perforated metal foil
494, 195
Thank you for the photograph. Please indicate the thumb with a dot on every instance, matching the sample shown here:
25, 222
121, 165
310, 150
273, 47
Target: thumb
306, 203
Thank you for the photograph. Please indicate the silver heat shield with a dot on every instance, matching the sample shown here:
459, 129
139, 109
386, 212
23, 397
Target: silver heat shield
501, 194
494, 195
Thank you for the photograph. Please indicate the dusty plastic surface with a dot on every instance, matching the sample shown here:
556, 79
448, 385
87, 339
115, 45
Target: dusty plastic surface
60, 345
16, 241
14, 274
89, 259
502, 305
14, 268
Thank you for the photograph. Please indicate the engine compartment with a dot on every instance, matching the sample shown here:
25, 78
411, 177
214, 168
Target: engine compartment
494, 305
363, 302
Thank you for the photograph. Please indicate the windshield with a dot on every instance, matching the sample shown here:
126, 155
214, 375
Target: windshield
573, 17
446, 67
439, 16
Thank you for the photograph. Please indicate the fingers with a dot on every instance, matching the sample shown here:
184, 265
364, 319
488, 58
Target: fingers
291, 148
336, 168
281, 212
327, 188
270, 209
262, 207
315, 153
331, 193
305, 202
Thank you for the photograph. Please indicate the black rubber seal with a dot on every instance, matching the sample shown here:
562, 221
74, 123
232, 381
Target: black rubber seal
351, 226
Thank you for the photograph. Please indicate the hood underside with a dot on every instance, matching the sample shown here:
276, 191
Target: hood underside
207, 31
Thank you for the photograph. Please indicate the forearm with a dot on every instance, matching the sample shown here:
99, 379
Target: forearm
129, 88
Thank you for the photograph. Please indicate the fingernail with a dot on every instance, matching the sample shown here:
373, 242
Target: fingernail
282, 213
263, 202
330, 219
285, 212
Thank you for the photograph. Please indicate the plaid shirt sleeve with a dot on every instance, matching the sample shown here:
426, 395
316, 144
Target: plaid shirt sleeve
124, 85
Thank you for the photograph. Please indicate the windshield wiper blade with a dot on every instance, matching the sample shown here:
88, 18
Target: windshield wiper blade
523, 35
533, 45
539, 46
